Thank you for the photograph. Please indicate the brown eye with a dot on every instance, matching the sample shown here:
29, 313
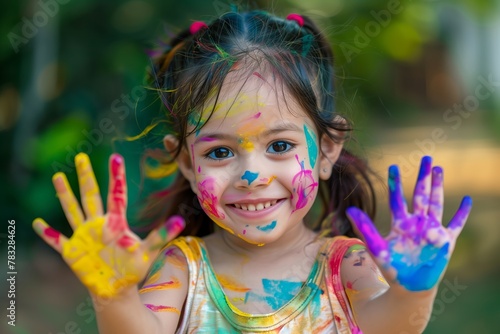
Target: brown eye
220, 153
280, 147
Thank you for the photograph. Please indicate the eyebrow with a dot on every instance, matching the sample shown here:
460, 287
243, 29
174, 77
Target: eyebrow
210, 136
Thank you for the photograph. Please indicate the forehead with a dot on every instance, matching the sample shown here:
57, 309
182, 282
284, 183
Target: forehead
252, 92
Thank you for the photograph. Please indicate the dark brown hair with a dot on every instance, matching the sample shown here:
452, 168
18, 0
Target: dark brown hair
193, 68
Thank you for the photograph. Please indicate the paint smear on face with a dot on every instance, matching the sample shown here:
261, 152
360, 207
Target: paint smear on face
267, 228
268, 180
304, 186
207, 199
162, 308
173, 284
249, 176
312, 146
246, 144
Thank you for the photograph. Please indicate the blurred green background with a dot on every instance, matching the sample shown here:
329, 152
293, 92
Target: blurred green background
416, 78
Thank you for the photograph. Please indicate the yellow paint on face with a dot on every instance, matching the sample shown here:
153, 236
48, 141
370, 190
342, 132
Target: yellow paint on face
246, 144
82, 252
230, 283
250, 241
231, 107
224, 227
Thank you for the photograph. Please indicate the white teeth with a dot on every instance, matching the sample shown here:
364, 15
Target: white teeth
255, 207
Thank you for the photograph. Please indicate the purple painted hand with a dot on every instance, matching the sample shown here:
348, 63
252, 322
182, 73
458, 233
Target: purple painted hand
418, 247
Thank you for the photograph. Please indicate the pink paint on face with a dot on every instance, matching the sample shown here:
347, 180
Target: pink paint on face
304, 186
208, 139
207, 199
199, 169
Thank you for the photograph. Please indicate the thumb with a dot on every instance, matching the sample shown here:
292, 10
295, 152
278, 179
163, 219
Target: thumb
157, 238
374, 241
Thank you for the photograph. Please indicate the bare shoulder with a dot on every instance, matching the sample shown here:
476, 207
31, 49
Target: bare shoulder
361, 277
165, 289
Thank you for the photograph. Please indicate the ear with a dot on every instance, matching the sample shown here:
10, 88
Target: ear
183, 160
328, 155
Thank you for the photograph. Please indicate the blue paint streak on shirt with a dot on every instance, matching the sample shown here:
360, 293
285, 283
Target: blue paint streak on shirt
267, 228
312, 146
277, 292
249, 176
424, 274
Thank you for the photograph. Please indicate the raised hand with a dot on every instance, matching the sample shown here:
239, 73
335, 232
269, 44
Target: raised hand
418, 247
103, 252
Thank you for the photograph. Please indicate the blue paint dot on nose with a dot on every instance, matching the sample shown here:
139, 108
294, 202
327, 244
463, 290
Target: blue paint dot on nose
249, 176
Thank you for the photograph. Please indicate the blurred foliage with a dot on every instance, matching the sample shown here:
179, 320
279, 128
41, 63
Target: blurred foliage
72, 84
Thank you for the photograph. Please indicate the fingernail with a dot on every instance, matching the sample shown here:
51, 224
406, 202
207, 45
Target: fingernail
116, 163
437, 170
175, 224
80, 159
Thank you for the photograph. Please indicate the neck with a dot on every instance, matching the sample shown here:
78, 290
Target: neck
296, 238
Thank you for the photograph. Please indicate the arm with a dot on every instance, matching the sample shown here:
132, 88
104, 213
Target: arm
107, 257
413, 257
378, 307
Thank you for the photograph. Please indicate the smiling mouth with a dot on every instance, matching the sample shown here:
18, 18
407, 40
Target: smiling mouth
255, 206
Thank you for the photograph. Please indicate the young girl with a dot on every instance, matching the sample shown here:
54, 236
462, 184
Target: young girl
250, 98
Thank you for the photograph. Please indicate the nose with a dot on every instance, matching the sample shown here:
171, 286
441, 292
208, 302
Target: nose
251, 179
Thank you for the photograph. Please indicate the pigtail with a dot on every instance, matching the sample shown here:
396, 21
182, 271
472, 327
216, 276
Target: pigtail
350, 183
178, 198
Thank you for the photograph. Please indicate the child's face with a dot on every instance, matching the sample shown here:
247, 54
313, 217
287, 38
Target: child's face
255, 162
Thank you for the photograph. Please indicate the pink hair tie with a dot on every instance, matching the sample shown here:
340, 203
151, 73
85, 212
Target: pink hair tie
297, 18
196, 26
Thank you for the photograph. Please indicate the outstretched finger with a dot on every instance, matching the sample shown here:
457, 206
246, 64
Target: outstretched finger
68, 200
168, 231
397, 200
376, 243
51, 236
437, 195
89, 190
117, 194
422, 190
458, 221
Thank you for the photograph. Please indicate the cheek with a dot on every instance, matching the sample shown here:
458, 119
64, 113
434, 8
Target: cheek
208, 197
304, 186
